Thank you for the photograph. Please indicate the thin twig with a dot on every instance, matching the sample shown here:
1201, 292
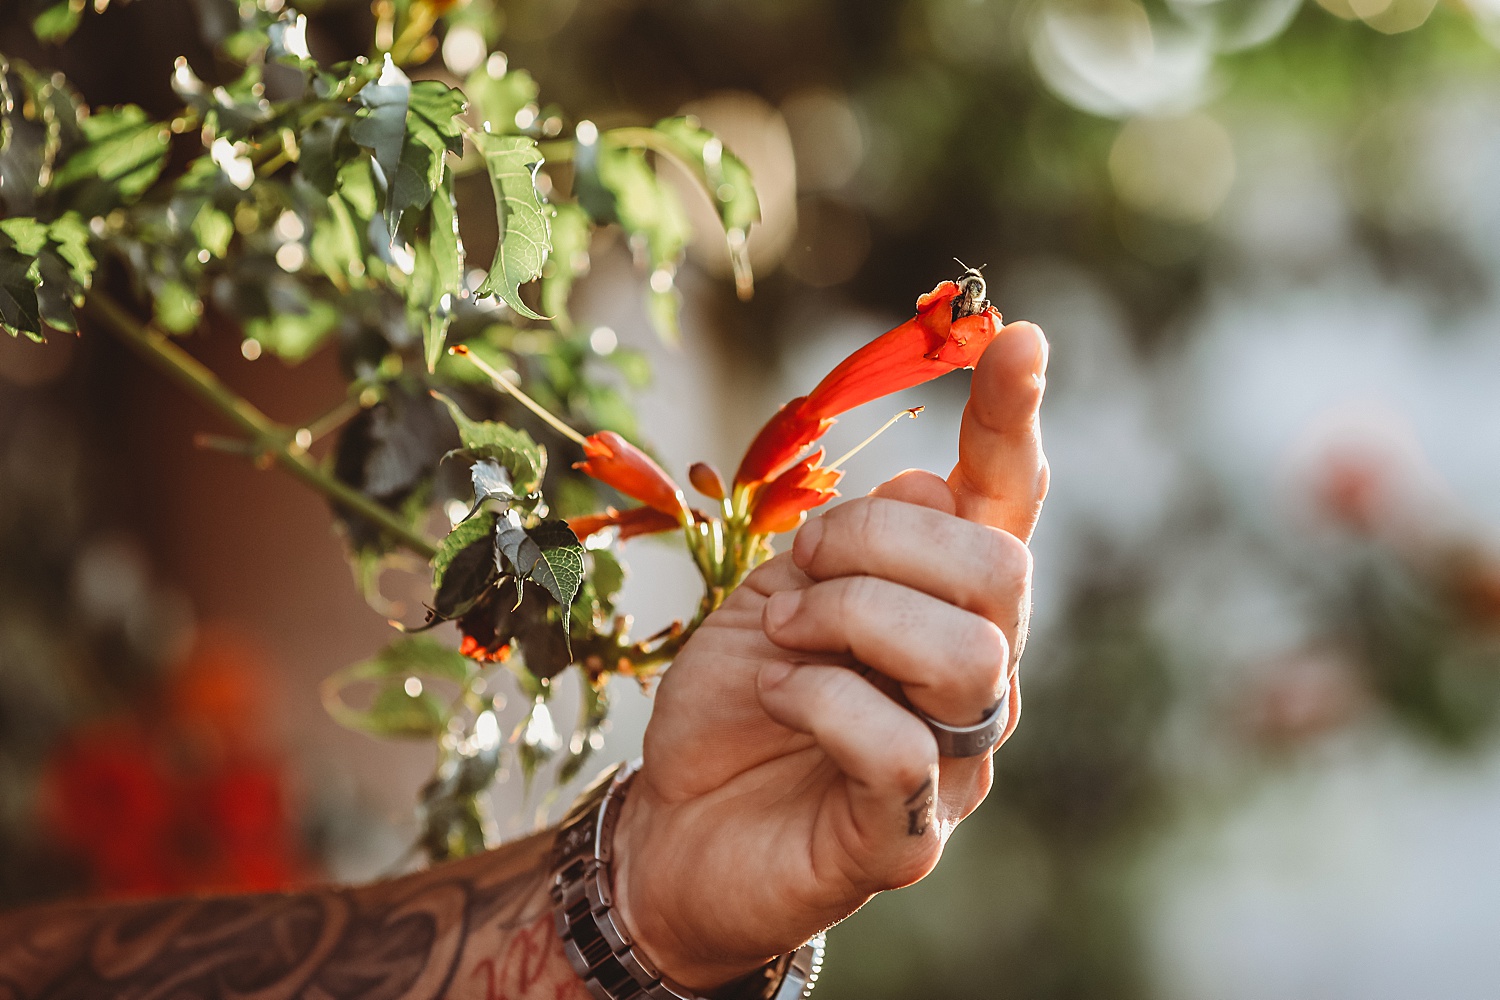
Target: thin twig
269, 437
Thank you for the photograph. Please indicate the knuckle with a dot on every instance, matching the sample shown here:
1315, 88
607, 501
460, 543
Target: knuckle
856, 596
989, 658
1008, 560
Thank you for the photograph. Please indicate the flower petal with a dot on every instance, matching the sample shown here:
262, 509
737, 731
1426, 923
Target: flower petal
618, 463
781, 504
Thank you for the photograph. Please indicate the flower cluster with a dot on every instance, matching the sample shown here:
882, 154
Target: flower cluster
778, 480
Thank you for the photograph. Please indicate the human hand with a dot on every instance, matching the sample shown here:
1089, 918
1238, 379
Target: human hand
781, 789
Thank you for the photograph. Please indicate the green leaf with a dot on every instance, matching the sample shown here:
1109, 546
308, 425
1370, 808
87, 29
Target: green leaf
561, 568
521, 219
394, 711
294, 336
443, 262
177, 308
18, 305
616, 183
381, 126
213, 230
571, 231
336, 246
724, 175
514, 449
70, 235
437, 106
464, 534
498, 98
123, 154
727, 180
547, 554
322, 154
28, 235
57, 22
469, 572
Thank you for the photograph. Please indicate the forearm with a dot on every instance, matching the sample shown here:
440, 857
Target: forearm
478, 928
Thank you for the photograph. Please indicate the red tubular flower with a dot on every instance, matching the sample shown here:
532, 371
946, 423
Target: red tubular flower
617, 462
953, 326
632, 522
781, 504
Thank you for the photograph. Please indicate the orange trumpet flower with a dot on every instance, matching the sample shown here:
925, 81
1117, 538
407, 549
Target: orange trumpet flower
618, 463
781, 504
632, 522
953, 326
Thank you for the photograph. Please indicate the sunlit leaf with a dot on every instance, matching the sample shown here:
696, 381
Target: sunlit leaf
521, 218
294, 336
442, 268
498, 98
58, 22
514, 449
381, 126
124, 154
464, 568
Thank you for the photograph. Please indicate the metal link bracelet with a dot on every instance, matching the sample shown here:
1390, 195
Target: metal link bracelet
598, 946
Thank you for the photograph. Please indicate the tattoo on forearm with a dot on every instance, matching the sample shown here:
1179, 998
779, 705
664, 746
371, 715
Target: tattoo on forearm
919, 812
481, 928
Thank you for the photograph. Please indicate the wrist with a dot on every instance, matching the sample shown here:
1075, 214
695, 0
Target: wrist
650, 896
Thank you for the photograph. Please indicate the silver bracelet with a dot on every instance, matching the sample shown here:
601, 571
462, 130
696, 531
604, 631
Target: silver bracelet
597, 945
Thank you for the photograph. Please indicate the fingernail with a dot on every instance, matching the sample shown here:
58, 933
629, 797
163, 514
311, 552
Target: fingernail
806, 545
781, 607
774, 673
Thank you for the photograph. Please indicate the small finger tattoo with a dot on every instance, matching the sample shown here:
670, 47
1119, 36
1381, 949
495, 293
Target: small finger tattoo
918, 815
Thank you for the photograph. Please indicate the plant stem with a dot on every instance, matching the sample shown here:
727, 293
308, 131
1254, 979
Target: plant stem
267, 437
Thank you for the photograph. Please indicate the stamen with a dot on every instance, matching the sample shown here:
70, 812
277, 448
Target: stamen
883, 428
515, 390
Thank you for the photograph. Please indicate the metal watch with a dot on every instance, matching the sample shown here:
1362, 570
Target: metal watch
597, 945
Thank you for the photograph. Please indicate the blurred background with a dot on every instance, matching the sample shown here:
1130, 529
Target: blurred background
1259, 756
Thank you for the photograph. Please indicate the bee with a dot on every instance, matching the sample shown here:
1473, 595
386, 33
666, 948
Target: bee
970, 299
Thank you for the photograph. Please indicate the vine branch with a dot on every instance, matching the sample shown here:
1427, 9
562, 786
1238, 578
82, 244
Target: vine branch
267, 437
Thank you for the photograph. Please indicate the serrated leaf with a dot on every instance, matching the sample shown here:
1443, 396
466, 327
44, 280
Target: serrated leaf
321, 156
381, 125
524, 239
560, 570
512, 448
463, 535
18, 305
468, 579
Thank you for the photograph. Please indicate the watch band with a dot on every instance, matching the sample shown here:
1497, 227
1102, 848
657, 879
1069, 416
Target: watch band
597, 945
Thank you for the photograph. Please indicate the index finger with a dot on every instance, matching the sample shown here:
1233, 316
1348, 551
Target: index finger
1001, 475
